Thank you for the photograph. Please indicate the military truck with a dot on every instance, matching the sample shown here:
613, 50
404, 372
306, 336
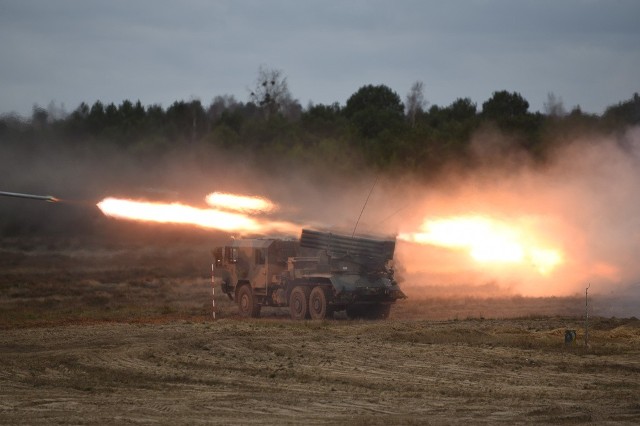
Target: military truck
318, 275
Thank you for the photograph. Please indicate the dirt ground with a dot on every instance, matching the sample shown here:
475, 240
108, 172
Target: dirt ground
114, 334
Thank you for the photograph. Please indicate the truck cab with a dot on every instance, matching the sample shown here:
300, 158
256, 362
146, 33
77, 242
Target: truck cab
257, 263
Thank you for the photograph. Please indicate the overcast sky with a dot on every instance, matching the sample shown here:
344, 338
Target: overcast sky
586, 52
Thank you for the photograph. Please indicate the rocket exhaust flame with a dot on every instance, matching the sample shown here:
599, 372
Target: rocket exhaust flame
240, 203
487, 241
492, 244
230, 217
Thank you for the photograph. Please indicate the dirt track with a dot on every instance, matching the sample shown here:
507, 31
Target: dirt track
279, 371
124, 337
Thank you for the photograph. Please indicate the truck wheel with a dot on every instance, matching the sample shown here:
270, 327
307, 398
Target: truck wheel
354, 312
246, 303
369, 311
318, 306
298, 303
381, 311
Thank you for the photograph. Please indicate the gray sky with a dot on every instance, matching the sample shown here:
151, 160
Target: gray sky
586, 52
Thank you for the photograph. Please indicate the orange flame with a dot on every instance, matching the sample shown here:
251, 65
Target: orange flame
487, 240
211, 218
241, 203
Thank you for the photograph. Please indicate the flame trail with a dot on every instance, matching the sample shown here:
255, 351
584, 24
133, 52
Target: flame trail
487, 241
241, 203
228, 217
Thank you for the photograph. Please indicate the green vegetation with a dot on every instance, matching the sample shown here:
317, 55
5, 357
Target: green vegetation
374, 127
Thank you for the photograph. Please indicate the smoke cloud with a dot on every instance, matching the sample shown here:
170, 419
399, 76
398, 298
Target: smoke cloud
581, 202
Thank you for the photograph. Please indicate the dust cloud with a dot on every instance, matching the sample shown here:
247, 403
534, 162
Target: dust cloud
581, 202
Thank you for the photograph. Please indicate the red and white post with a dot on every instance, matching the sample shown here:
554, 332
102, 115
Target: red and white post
213, 291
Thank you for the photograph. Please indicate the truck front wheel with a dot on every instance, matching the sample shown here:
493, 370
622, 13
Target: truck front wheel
246, 303
298, 303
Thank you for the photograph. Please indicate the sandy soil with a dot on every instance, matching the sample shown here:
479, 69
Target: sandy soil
125, 335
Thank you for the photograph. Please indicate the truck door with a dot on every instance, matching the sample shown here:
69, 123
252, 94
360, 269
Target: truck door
260, 272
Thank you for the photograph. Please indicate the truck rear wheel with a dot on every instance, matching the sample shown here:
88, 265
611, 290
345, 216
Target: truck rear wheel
298, 303
246, 303
318, 304
354, 312
380, 311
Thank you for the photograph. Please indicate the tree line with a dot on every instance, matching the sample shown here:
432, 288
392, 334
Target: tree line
374, 128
